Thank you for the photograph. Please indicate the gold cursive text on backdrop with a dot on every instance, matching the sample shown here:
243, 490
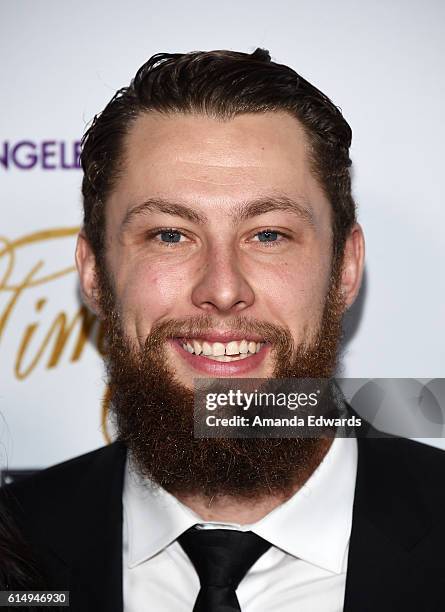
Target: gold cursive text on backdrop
81, 326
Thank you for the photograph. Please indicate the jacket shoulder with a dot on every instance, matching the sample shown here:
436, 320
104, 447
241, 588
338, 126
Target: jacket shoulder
416, 454
402, 458
65, 480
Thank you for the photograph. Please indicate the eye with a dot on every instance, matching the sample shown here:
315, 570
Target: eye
169, 236
268, 235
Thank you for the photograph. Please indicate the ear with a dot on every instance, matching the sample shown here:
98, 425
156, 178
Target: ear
353, 264
86, 268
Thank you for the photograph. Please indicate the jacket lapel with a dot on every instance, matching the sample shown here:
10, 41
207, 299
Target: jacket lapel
89, 524
389, 519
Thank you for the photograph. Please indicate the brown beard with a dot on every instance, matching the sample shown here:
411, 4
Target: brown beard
153, 412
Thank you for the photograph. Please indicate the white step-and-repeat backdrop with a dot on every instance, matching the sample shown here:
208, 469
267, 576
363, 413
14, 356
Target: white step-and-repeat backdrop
381, 62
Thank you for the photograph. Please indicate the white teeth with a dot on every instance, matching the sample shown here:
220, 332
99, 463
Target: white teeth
218, 349
232, 348
197, 347
206, 349
243, 348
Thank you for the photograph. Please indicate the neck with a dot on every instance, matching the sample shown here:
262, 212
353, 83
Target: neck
245, 511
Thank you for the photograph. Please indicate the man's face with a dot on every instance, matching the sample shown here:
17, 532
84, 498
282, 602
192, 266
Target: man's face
219, 221
217, 264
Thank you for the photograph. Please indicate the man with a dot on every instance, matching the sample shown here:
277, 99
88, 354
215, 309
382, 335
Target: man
220, 241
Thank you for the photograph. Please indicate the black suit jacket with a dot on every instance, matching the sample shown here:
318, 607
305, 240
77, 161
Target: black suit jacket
72, 514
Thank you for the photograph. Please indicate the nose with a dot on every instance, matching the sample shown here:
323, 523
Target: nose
222, 286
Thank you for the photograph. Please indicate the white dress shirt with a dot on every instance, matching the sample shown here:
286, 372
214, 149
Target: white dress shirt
304, 569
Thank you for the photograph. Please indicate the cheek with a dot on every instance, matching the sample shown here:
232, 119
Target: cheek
148, 293
294, 294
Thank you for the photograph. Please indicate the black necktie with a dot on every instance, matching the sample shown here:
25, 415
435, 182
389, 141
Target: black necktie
221, 557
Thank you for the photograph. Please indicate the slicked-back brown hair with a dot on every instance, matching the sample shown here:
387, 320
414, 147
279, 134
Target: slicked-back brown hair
220, 84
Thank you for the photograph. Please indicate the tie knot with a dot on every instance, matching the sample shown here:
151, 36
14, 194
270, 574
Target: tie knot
222, 557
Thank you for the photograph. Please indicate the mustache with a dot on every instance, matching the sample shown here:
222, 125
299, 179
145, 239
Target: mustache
277, 335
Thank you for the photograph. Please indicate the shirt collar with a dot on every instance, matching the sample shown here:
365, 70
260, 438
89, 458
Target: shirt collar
313, 525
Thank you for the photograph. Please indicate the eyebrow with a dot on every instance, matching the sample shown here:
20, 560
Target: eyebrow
299, 207
166, 207
239, 212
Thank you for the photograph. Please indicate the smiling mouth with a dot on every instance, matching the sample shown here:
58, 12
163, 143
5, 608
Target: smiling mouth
234, 350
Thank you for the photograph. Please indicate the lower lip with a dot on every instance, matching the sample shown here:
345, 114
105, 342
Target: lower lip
221, 369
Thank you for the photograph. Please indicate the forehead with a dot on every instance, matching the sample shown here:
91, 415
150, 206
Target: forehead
206, 162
